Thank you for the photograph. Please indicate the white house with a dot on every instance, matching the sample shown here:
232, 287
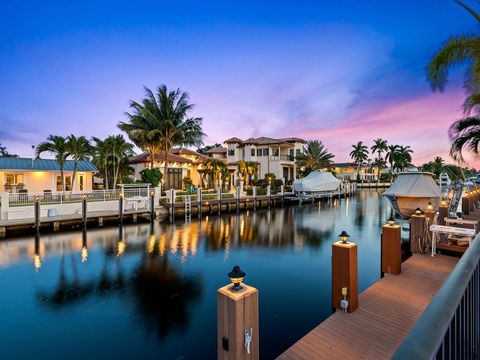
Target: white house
275, 156
37, 176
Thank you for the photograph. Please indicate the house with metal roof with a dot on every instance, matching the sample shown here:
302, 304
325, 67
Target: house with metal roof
37, 176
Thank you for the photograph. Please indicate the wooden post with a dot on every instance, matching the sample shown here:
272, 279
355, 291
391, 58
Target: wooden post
199, 202
466, 205
84, 210
391, 259
430, 215
345, 274
442, 214
237, 313
219, 200
36, 209
472, 201
237, 190
120, 207
417, 227
269, 193
172, 202
152, 206
254, 192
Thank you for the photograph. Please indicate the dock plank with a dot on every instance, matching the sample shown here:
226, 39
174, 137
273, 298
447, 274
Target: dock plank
387, 312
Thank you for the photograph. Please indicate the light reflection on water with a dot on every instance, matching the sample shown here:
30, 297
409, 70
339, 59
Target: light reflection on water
143, 291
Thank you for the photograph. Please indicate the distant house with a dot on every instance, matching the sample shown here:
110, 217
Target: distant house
182, 163
36, 176
275, 156
219, 153
349, 171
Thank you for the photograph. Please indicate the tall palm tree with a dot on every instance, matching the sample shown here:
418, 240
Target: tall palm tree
101, 157
161, 122
4, 152
56, 145
242, 169
359, 155
215, 168
252, 170
121, 150
379, 146
80, 149
315, 156
390, 155
403, 157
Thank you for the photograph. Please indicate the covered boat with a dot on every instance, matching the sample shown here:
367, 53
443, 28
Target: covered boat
413, 190
316, 182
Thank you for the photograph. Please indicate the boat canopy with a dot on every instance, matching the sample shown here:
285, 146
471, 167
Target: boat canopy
415, 185
317, 181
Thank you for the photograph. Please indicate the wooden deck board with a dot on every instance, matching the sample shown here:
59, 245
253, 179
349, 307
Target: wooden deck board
387, 312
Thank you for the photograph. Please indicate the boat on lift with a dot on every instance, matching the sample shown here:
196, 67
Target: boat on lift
412, 190
444, 180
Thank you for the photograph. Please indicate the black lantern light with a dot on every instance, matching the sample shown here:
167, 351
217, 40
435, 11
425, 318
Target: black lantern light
391, 221
344, 237
418, 211
236, 277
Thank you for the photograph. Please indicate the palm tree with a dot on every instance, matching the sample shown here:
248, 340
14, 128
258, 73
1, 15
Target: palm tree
121, 149
161, 122
462, 49
403, 157
379, 146
80, 149
390, 155
56, 145
215, 168
242, 169
359, 154
252, 170
464, 133
4, 152
315, 156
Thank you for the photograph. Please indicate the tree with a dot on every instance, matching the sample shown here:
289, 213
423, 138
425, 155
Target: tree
205, 149
161, 122
462, 49
390, 155
151, 176
464, 134
315, 156
402, 158
379, 146
5, 153
56, 145
80, 149
111, 156
215, 168
359, 155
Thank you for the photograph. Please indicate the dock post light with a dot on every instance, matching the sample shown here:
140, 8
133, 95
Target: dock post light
444, 202
430, 206
344, 237
236, 277
391, 221
418, 211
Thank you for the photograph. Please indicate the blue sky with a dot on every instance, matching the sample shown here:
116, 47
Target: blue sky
341, 72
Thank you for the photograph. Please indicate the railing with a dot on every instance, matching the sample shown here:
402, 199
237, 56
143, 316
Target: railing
287, 157
450, 326
19, 199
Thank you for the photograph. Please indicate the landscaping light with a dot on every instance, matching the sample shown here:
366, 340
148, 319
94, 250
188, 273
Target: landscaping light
236, 277
391, 221
344, 237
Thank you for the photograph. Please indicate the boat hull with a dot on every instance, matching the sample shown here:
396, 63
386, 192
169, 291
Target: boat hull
405, 206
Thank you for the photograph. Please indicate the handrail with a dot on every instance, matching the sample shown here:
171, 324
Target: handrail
427, 336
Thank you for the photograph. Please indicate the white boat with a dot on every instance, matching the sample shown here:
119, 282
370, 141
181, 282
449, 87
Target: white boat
316, 182
444, 180
413, 190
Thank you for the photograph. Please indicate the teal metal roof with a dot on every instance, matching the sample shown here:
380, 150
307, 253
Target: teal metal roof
9, 163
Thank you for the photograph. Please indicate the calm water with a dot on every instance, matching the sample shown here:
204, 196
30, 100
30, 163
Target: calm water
153, 294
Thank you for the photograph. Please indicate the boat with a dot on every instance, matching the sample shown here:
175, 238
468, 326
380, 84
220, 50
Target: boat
316, 183
444, 180
412, 190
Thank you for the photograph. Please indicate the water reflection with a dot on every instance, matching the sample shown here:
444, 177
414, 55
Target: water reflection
161, 279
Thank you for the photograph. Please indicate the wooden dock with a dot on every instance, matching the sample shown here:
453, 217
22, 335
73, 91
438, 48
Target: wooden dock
387, 312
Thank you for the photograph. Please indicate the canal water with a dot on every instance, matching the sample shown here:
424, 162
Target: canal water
143, 292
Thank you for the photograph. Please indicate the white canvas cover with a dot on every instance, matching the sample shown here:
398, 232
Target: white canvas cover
414, 185
316, 181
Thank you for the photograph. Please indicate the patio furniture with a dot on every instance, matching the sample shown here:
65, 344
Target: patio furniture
8, 187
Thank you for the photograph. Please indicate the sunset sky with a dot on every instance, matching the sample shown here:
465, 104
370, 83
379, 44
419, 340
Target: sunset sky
339, 72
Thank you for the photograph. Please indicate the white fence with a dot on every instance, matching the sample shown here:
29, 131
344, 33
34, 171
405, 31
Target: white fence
20, 205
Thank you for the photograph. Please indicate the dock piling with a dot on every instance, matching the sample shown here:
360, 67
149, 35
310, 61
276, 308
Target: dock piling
466, 205
344, 274
37, 213
391, 254
152, 205
84, 210
120, 207
237, 320
237, 191
417, 232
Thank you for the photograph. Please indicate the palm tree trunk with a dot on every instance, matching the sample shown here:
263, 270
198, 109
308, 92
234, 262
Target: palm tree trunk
165, 168
63, 178
106, 177
73, 176
117, 170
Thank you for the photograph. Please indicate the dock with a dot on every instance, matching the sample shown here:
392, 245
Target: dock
388, 310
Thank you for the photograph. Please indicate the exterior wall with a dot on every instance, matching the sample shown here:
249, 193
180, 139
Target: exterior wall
279, 157
350, 173
189, 170
35, 182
